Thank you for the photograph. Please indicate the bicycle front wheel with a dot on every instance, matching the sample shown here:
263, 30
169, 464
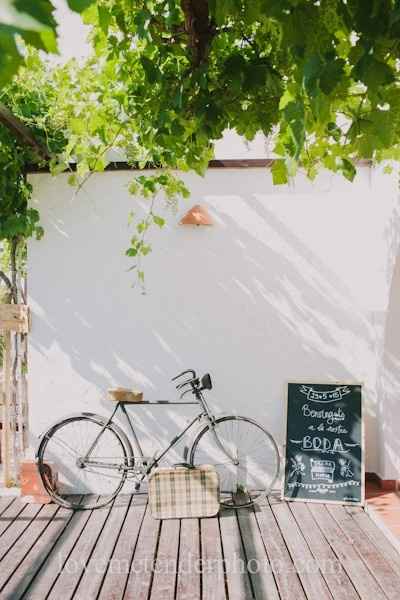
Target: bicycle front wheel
83, 484
251, 446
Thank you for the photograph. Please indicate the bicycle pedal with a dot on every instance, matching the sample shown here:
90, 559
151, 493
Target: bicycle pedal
137, 487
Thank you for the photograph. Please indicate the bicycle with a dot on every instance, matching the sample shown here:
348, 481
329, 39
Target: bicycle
93, 454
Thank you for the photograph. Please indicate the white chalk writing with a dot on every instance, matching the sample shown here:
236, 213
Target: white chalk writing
330, 416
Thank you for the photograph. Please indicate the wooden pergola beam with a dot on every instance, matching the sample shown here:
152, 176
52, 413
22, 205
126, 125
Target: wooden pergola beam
22, 132
230, 163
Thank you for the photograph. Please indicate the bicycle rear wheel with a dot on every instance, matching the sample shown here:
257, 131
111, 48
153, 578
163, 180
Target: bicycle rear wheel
83, 486
250, 444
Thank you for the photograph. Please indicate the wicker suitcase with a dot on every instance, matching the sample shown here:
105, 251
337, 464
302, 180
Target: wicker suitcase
184, 492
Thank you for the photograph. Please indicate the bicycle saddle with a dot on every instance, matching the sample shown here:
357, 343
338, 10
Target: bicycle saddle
125, 395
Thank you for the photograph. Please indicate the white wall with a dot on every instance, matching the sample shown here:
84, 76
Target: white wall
388, 389
291, 283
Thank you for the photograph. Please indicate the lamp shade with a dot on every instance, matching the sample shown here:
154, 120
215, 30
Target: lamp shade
197, 215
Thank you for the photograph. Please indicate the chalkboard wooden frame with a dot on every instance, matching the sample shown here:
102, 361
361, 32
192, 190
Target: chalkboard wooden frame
362, 441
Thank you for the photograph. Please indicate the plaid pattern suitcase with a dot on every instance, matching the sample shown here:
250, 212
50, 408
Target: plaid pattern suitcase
184, 492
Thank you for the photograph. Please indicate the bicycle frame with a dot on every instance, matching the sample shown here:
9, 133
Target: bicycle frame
205, 414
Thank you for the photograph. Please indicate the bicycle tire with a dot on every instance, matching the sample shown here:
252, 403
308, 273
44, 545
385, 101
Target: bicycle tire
66, 500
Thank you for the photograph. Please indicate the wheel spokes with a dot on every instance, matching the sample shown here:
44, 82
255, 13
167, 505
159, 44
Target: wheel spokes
255, 449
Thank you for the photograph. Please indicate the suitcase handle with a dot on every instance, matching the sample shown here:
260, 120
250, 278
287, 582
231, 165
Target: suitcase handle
184, 465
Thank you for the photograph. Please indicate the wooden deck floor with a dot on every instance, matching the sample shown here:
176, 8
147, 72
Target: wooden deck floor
279, 551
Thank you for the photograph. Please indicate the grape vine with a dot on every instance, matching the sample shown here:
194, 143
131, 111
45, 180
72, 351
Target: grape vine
166, 78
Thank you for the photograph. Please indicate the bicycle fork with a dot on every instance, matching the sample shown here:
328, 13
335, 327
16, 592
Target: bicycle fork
220, 445
211, 423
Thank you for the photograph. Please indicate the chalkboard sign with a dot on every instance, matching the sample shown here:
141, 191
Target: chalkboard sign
324, 444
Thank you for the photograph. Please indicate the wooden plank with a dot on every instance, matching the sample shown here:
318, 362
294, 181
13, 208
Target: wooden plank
238, 581
11, 512
166, 566
15, 556
73, 569
377, 536
188, 583
261, 576
93, 576
333, 572
5, 502
118, 570
55, 561
26, 571
241, 163
363, 581
279, 558
212, 572
312, 580
22, 522
15, 317
141, 571
387, 578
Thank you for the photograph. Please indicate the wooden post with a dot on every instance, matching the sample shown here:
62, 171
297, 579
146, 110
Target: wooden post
6, 401
14, 319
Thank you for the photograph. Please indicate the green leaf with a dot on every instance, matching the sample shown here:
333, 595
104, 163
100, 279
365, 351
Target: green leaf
151, 71
73, 179
40, 10
294, 114
252, 9
142, 226
79, 5
10, 59
105, 18
158, 220
39, 232
285, 99
49, 40
331, 76
34, 22
394, 16
145, 249
382, 129
221, 9
177, 99
142, 20
279, 172
373, 72
318, 74
57, 167
133, 188
311, 72
348, 169
77, 125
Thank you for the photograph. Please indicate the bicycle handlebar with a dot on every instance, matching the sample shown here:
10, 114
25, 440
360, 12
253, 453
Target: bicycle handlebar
194, 382
193, 373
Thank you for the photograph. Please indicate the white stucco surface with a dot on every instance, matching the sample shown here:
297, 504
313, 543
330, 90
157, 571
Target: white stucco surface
290, 283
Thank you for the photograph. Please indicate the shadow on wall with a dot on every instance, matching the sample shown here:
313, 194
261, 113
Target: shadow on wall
389, 388
245, 299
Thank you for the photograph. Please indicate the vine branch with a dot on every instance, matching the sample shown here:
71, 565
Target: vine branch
6, 281
200, 29
22, 132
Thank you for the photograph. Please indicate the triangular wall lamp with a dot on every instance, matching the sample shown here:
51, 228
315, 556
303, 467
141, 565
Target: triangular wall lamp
198, 215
